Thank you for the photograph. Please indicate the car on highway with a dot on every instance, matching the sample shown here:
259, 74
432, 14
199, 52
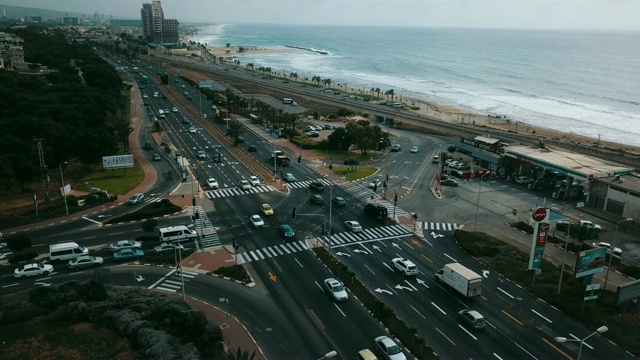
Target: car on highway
336, 289
127, 254
472, 319
353, 226
254, 180
167, 247
156, 157
316, 199
125, 244
388, 348
339, 201
145, 96
212, 183
85, 261
266, 210
192, 130
256, 221
375, 183
175, 109
288, 177
201, 154
616, 250
414, 149
287, 231
245, 185
316, 186
590, 225
523, 180
33, 269
251, 148
405, 266
396, 147
136, 198
366, 354
449, 182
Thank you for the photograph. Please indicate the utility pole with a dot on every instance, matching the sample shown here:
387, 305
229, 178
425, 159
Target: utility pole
44, 173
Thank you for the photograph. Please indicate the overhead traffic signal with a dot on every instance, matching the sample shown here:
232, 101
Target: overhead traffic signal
193, 201
293, 213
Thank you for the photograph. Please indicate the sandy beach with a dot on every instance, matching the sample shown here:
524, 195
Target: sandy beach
446, 113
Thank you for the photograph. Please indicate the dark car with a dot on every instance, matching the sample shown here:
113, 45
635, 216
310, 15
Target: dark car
317, 199
316, 186
449, 182
339, 201
563, 225
313, 134
287, 231
251, 148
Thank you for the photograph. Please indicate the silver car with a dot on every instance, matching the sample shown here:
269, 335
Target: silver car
84, 261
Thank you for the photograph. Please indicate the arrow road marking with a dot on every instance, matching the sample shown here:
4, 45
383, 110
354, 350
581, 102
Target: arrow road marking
422, 282
93, 221
343, 254
435, 236
42, 283
485, 273
403, 287
377, 248
396, 245
378, 290
272, 277
360, 251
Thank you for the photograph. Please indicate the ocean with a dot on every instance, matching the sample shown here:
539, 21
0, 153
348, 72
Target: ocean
584, 82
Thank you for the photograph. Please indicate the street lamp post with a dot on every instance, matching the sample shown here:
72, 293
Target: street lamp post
475, 223
564, 256
613, 246
562, 339
64, 191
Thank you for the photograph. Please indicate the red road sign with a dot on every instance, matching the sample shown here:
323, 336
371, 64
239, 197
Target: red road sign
590, 177
539, 214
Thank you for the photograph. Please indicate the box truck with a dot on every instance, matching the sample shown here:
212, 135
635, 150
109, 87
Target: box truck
463, 280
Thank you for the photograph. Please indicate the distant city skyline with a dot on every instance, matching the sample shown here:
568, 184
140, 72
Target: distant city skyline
512, 14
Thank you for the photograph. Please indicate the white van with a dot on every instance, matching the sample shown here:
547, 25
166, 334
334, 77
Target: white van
161, 114
177, 234
397, 105
66, 251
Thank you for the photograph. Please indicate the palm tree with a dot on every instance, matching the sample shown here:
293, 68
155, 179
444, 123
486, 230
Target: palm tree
327, 82
377, 90
235, 130
240, 355
295, 77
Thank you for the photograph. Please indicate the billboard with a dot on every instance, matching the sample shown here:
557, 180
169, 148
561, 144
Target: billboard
206, 84
628, 291
589, 262
117, 162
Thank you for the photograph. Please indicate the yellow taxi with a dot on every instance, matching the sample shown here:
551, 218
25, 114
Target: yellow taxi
266, 209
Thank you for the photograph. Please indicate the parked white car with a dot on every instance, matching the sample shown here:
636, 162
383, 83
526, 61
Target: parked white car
254, 180
523, 180
353, 226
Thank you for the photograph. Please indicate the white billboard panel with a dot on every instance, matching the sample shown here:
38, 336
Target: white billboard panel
118, 161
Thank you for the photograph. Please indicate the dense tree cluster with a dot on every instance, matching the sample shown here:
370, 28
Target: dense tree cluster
75, 106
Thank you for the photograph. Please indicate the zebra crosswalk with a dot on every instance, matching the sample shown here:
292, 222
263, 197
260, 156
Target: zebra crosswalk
339, 239
438, 226
379, 233
204, 227
151, 199
359, 191
305, 184
272, 251
172, 282
220, 193
390, 209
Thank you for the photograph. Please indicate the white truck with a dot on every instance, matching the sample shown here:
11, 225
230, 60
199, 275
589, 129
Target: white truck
463, 280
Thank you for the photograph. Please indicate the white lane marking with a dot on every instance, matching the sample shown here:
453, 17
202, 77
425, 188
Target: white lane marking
506, 293
337, 307
419, 313
436, 306
447, 255
537, 313
445, 336
367, 266
414, 288
299, 263
467, 331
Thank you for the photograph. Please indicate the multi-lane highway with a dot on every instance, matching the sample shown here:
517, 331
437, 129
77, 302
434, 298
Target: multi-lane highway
289, 312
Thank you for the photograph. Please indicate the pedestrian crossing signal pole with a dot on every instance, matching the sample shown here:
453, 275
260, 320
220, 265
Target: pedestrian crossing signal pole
293, 213
395, 203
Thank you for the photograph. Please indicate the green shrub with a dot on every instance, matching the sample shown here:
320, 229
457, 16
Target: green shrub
19, 241
23, 257
236, 272
524, 227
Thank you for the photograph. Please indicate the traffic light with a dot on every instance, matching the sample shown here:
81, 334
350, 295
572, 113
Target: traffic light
193, 201
375, 187
395, 199
293, 213
299, 159
323, 233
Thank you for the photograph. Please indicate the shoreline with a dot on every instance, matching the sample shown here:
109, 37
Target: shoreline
434, 110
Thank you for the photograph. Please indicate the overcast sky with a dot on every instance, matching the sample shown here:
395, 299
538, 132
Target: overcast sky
526, 14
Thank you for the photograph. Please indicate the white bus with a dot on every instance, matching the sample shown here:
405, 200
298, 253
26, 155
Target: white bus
287, 101
161, 114
253, 118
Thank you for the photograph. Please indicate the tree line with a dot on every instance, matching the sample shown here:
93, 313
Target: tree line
76, 107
